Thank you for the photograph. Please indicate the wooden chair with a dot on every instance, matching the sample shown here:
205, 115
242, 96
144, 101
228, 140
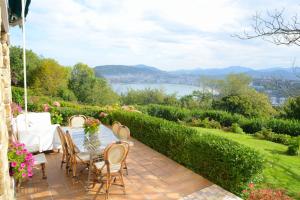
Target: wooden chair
116, 126
77, 121
66, 155
107, 171
75, 156
124, 135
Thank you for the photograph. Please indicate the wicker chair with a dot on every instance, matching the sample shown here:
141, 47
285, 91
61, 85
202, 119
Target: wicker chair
116, 126
124, 135
77, 121
66, 155
75, 156
106, 172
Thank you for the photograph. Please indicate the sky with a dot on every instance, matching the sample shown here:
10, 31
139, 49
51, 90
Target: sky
167, 34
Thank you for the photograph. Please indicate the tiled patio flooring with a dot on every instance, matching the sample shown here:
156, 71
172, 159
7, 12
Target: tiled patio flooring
151, 176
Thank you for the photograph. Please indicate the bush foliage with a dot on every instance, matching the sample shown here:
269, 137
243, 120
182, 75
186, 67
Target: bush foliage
226, 119
223, 161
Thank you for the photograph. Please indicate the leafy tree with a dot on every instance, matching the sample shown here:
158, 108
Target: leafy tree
292, 108
250, 104
50, 77
16, 64
197, 99
149, 96
234, 84
90, 89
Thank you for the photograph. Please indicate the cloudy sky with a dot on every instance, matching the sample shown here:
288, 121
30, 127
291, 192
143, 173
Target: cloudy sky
168, 34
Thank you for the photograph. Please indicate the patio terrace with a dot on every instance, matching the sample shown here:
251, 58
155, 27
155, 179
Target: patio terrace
151, 176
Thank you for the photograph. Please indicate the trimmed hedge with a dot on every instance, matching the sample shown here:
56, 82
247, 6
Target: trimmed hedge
224, 162
249, 125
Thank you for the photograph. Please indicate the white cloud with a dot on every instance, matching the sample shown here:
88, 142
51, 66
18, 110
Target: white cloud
169, 34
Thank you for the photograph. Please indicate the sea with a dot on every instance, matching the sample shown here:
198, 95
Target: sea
178, 89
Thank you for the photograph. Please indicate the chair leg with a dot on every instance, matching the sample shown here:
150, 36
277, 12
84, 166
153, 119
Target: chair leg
63, 160
125, 167
74, 167
122, 182
43, 165
107, 188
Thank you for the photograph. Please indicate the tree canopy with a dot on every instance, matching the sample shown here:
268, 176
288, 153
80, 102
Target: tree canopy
90, 89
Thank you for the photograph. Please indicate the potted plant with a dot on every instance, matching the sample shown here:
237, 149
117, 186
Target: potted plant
21, 162
91, 126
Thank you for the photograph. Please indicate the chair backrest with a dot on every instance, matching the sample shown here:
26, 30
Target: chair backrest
62, 138
70, 144
115, 154
124, 133
116, 126
77, 121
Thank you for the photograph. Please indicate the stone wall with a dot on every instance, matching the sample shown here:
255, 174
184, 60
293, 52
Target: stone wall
6, 189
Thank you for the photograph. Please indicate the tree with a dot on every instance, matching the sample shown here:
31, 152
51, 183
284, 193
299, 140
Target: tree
292, 108
90, 89
208, 84
50, 77
237, 96
250, 104
234, 84
16, 64
275, 28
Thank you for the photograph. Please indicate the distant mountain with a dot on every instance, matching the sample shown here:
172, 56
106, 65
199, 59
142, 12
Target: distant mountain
108, 70
147, 74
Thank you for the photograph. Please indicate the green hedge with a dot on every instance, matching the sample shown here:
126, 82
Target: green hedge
249, 125
224, 162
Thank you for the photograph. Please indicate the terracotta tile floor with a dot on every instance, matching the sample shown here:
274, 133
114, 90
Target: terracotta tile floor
151, 176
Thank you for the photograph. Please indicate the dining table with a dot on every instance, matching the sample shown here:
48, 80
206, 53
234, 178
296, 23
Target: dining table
93, 144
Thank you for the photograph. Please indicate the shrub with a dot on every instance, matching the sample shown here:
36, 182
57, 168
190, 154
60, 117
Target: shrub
249, 125
17, 95
294, 147
206, 123
268, 134
168, 112
235, 128
289, 127
225, 162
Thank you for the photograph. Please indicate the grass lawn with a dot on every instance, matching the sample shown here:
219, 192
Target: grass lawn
281, 170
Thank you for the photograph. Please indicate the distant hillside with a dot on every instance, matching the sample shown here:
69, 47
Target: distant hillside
109, 70
148, 74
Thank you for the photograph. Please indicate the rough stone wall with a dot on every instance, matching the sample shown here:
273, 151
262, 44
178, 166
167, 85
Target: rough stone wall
6, 189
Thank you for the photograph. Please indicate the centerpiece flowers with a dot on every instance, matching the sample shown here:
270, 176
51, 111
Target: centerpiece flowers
91, 126
21, 161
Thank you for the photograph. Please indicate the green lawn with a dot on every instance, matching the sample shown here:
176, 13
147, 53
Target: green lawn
281, 170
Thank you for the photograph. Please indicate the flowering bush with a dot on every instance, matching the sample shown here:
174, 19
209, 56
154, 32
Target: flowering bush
16, 109
91, 125
264, 194
56, 104
21, 161
46, 107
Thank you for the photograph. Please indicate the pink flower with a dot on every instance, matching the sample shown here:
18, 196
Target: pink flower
251, 185
30, 174
56, 104
23, 175
22, 165
18, 152
46, 107
13, 164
